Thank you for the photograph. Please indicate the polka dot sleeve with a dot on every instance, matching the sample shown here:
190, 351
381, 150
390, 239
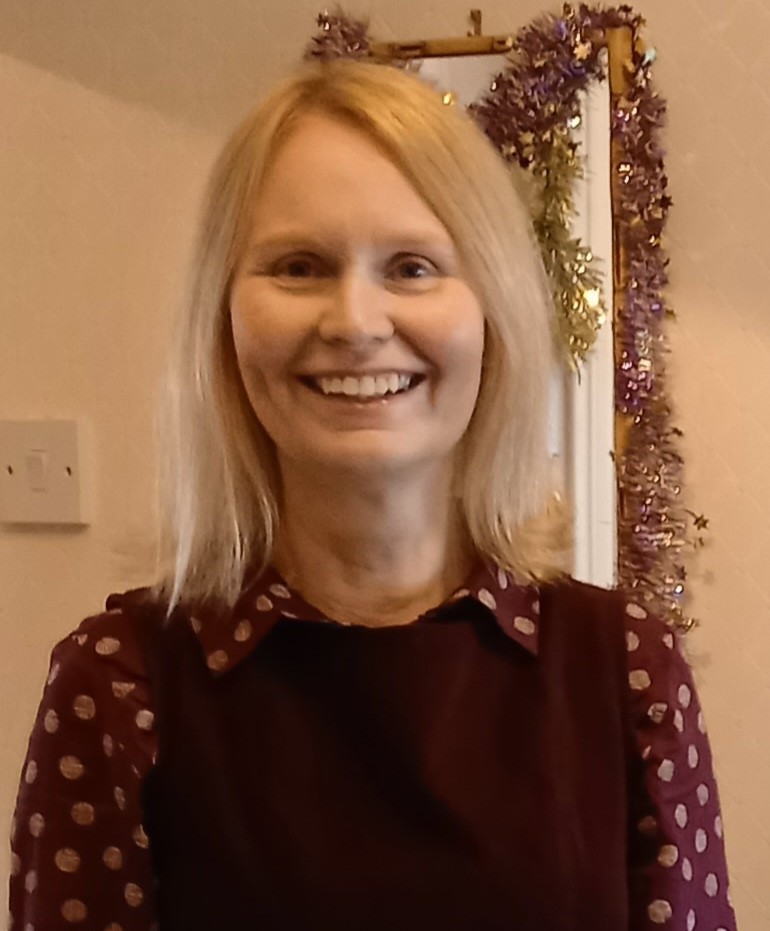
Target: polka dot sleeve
679, 878
80, 856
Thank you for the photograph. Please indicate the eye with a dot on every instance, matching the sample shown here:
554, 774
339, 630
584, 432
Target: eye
298, 267
413, 268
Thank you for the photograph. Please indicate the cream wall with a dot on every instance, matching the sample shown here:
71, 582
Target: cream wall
109, 117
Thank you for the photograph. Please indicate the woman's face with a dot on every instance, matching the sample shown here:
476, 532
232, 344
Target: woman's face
358, 339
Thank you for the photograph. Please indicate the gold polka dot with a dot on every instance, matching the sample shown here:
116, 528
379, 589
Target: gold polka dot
536, 606
487, 598
84, 707
679, 720
692, 756
67, 860
107, 646
30, 774
657, 711
687, 869
108, 744
30, 881
701, 840
502, 578
120, 798
217, 660
133, 894
524, 625
691, 920
15, 864
632, 641
668, 640
659, 911
264, 603
74, 910
70, 767
718, 829
666, 771
711, 885
456, 596
648, 826
680, 815
196, 625
144, 719
636, 611
51, 721
242, 632
668, 855
36, 824
82, 813
280, 591
80, 639
639, 679
112, 858
121, 689
684, 695
53, 673
701, 723
140, 838
703, 793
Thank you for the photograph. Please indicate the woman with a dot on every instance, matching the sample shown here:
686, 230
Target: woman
363, 694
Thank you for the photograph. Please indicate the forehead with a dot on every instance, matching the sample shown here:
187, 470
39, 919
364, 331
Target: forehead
331, 175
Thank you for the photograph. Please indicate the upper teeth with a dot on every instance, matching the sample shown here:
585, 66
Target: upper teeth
370, 386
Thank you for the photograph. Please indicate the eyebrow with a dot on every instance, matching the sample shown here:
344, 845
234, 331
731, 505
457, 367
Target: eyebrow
409, 241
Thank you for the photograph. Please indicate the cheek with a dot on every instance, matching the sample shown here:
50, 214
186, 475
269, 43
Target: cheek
262, 342
457, 343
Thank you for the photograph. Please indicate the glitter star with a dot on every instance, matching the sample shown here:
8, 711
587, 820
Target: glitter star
583, 50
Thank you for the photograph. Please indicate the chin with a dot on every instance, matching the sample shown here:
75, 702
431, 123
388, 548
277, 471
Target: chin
370, 458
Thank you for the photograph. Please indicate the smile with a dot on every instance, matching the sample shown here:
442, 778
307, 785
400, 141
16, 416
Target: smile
363, 388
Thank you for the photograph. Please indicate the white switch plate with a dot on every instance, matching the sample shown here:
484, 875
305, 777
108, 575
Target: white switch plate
42, 472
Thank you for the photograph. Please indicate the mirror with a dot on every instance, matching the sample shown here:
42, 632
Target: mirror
581, 433
574, 104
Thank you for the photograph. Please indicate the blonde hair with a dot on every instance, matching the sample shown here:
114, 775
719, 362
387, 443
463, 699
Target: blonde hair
219, 482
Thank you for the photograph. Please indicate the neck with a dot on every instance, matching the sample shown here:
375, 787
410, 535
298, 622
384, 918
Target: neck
371, 552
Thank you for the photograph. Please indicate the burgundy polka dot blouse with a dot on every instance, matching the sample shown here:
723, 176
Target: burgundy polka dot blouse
519, 757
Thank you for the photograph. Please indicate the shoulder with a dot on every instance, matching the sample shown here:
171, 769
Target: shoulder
109, 640
576, 609
647, 652
98, 673
621, 610
616, 623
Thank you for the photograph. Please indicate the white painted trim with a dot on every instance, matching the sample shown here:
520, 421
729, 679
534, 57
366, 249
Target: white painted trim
590, 401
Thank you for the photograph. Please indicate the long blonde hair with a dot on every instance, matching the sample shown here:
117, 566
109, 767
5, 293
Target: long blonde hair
219, 482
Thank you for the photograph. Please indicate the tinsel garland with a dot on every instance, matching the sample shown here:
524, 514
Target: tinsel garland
530, 113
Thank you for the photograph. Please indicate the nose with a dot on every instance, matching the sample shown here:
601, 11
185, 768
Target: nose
356, 311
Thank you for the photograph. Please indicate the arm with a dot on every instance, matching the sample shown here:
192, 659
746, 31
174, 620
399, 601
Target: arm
677, 869
79, 853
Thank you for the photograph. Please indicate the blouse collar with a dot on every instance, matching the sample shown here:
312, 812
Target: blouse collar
226, 641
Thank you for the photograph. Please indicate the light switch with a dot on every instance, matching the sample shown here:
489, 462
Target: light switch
36, 469
43, 472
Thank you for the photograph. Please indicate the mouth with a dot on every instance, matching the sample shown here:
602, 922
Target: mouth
363, 388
